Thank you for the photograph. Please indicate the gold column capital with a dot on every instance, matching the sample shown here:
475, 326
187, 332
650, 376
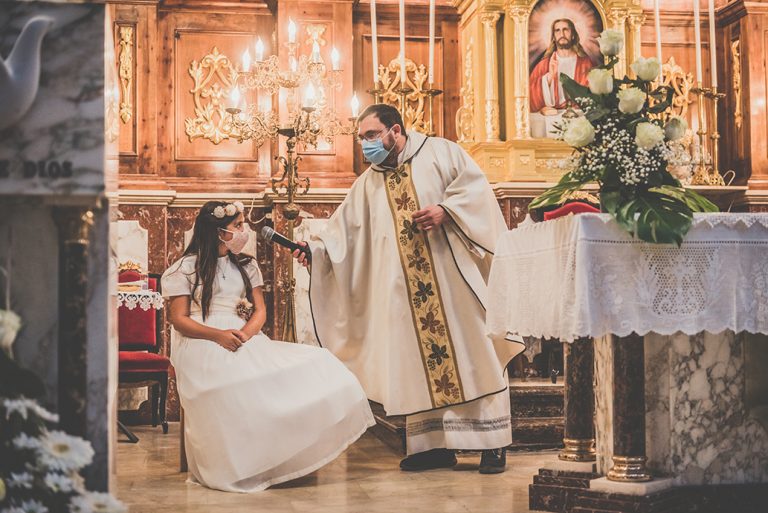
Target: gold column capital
489, 19
519, 13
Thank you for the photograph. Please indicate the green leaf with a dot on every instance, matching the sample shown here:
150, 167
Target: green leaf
573, 89
609, 201
556, 194
656, 217
695, 201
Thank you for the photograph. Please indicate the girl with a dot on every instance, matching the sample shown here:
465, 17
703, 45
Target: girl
257, 412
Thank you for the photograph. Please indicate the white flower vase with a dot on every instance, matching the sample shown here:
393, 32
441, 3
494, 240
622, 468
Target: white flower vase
10, 324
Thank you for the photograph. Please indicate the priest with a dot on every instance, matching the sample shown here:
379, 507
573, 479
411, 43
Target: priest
398, 293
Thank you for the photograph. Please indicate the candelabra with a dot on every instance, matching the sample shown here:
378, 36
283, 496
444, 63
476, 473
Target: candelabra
702, 174
392, 87
314, 120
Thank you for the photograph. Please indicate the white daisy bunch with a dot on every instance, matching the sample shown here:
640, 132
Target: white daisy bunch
40, 465
228, 210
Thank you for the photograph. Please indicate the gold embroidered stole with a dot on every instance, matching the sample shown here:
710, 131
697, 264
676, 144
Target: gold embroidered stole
427, 308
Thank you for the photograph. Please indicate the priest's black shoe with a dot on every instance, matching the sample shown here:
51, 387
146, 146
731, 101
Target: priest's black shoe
493, 461
428, 460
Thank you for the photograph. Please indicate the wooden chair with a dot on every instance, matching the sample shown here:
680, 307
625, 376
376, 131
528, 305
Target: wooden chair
140, 364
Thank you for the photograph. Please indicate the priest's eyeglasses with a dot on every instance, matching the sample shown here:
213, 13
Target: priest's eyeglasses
371, 136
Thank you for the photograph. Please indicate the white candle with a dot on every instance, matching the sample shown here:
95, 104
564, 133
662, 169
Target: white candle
354, 105
697, 35
309, 96
431, 78
259, 50
291, 31
657, 21
402, 44
335, 59
712, 45
234, 97
375, 44
246, 61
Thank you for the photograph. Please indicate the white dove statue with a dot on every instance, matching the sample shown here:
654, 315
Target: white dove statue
20, 72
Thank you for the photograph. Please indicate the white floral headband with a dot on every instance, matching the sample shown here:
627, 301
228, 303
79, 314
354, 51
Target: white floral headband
229, 209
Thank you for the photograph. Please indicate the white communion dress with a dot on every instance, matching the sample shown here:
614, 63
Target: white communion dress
267, 413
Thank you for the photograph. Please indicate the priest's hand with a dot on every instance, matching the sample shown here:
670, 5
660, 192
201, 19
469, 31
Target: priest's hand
301, 256
429, 217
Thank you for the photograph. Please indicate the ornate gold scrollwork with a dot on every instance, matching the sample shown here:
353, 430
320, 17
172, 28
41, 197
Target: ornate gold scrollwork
465, 115
738, 115
315, 33
213, 76
126, 72
681, 83
414, 115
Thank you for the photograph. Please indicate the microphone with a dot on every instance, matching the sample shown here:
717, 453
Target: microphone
271, 235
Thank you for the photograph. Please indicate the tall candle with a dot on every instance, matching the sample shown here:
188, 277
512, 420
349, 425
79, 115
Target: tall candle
712, 45
657, 21
697, 35
291, 31
402, 43
431, 78
259, 50
375, 44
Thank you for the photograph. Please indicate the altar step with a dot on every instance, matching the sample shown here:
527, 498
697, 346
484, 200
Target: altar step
537, 418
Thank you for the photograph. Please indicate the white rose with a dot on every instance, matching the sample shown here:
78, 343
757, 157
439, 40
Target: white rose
676, 128
600, 81
648, 135
239, 206
631, 100
230, 210
611, 42
579, 132
647, 69
218, 212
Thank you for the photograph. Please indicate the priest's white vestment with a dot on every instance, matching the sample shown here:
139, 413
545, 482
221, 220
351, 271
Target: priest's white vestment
404, 308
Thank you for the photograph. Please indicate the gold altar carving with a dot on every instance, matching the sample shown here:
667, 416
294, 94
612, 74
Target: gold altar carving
414, 114
465, 115
738, 115
315, 33
213, 77
681, 83
494, 119
125, 72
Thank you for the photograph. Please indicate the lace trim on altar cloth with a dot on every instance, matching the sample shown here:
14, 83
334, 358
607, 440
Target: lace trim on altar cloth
144, 300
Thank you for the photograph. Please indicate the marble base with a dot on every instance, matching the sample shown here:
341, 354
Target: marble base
602, 484
556, 490
572, 466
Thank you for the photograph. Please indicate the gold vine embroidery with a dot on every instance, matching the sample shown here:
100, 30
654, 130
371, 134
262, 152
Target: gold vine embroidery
429, 318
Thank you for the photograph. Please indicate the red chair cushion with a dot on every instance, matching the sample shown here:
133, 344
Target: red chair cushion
575, 207
136, 361
136, 327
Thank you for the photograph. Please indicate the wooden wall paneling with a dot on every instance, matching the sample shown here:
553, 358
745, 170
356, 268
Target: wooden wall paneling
138, 149
190, 35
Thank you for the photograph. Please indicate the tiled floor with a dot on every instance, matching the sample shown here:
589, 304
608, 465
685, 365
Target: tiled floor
364, 479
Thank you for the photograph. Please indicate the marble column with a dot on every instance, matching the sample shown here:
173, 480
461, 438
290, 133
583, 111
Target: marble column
629, 457
74, 225
579, 398
489, 21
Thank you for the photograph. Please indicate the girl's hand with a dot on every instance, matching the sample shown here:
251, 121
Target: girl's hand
230, 340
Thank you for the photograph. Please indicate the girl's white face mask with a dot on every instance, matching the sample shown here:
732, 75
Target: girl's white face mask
238, 241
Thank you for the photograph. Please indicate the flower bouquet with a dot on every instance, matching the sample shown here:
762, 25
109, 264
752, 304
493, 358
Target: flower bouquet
623, 142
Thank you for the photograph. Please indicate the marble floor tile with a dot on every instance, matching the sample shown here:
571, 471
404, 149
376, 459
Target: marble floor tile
365, 478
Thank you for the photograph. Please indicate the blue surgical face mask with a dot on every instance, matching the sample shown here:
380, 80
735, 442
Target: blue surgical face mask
374, 151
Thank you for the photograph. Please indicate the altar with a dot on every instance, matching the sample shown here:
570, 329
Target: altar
665, 356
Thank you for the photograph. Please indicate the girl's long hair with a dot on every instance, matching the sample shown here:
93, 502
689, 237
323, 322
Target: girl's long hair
205, 246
